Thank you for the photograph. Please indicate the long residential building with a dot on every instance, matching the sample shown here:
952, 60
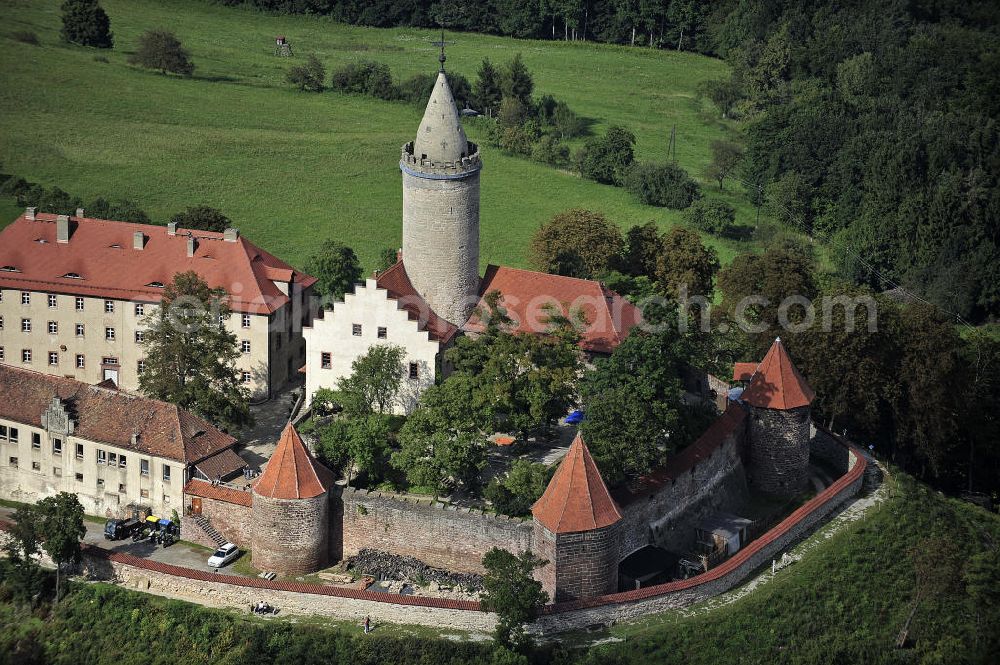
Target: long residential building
116, 451
74, 292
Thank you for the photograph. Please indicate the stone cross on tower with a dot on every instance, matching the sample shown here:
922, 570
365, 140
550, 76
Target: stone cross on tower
441, 43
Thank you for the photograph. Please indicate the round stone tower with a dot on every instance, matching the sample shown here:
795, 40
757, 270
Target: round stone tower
291, 510
441, 209
779, 400
576, 530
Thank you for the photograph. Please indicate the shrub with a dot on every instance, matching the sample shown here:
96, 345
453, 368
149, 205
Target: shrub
711, 215
661, 184
519, 489
25, 37
550, 151
308, 76
366, 77
202, 218
567, 123
607, 159
160, 49
86, 23
118, 209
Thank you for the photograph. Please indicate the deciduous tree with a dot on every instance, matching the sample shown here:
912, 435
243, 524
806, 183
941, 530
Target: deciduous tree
160, 49
511, 592
375, 379
686, 261
577, 243
337, 269
309, 75
60, 525
202, 218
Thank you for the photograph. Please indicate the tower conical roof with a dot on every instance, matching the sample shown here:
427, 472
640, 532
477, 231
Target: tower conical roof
776, 384
292, 472
441, 137
577, 498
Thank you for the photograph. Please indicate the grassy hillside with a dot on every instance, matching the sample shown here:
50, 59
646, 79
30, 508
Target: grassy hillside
292, 167
844, 602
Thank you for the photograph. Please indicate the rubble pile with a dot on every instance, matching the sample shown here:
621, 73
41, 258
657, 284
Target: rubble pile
384, 566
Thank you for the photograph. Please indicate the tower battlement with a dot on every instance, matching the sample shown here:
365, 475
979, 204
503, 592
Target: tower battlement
421, 166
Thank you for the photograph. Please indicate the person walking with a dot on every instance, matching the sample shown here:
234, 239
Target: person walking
368, 624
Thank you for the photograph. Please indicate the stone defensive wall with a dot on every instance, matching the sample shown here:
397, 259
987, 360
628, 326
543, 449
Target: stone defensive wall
707, 476
441, 535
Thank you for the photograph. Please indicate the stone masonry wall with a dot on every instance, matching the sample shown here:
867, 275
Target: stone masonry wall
440, 535
667, 517
586, 563
233, 521
824, 447
290, 535
779, 450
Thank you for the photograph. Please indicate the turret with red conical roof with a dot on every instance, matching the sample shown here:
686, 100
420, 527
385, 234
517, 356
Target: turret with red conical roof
779, 399
575, 529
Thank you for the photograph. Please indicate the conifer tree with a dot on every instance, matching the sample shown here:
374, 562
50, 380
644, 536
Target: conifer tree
517, 82
487, 91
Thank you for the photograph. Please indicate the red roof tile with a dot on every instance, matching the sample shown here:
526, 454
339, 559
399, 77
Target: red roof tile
609, 317
744, 371
207, 490
576, 498
110, 416
292, 472
221, 465
100, 252
777, 384
397, 283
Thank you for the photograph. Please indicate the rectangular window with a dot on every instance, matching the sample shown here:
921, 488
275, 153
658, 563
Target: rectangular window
112, 459
1, 322
80, 330
25, 297
108, 360
79, 477
245, 346
144, 494
166, 473
57, 446
53, 358
121, 461
140, 367
100, 482
121, 488
53, 301
139, 336
25, 325
80, 361
3, 432
13, 461
26, 355
414, 371
356, 329
13, 435
57, 471
245, 376
140, 309
109, 306
79, 451
79, 304
53, 328
382, 332
246, 320
325, 360
2, 356
36, 466
102, 456
144, 467
36, 440
109, 334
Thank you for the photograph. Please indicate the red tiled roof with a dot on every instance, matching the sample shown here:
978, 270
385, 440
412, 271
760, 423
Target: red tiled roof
222, 464
110, 416
101, 252
397, 283
678, 464
207, 490
744, 371
777, 384
576, 498
292, 472
609, 317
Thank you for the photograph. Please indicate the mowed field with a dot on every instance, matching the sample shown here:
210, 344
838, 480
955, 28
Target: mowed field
293, 168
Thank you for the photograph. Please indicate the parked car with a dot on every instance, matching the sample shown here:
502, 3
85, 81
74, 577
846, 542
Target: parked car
118, 529
226, 553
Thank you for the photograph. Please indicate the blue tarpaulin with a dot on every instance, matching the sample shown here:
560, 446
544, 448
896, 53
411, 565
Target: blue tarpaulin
574, 417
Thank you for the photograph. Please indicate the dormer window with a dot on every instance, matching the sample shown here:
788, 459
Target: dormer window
115, 246
155, 285
72, 275
9, 269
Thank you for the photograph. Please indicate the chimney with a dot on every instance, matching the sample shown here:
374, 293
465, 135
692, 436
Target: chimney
172, 228
79, 213
135, 438
62, 228
29, 213
191, 244
138, 240
231, 235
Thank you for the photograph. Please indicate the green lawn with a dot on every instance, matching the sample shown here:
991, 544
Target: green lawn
292, 168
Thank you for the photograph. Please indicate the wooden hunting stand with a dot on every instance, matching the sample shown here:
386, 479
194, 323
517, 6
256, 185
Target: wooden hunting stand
282, 47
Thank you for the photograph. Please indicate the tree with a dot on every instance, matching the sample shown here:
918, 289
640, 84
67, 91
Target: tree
60, 525
375, 380
359, 443
202, 218
366, 77
576, 243
86, 23
488, 89
550, 151
337, 269
22, 544
686, 261
726, 157
160, 49
662, 184
607, 159
510, 590
567, 123
308, 76
517, 82
125, 210
711, 216
643, 247
517, 491
190, 357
